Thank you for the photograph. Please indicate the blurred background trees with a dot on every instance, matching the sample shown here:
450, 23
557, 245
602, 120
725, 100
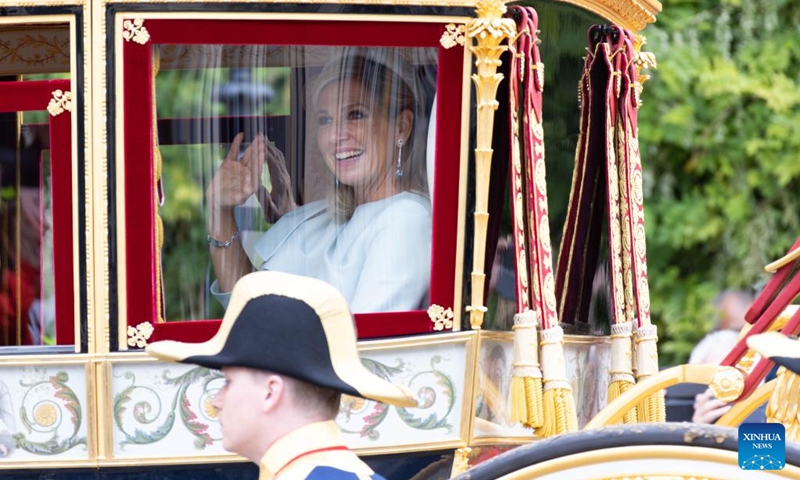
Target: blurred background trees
720, 143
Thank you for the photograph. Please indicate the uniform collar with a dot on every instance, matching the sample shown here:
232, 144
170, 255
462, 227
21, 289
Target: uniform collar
312, 437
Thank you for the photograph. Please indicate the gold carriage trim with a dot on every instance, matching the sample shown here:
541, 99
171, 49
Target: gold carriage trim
134, 30
453, 35
442, 318
139, 335
489, 30
727, 384
61, 101
460, 461
632, 14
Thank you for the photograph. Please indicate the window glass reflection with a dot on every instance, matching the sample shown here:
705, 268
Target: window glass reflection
27, 294
563, 37
309, 160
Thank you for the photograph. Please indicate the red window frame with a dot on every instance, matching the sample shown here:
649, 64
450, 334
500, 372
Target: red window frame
140, 252
26, 96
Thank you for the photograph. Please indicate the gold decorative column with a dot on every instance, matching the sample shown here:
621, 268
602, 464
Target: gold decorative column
489, 31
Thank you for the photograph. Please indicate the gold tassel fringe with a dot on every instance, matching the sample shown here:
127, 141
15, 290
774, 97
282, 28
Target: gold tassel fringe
652, 408
560, 415
617, 388
621, 366
783, 405
526, 380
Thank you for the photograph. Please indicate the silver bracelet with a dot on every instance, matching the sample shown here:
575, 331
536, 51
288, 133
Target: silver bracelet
226, 244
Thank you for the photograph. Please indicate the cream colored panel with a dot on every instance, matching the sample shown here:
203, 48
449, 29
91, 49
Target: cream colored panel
43, 414
163, 410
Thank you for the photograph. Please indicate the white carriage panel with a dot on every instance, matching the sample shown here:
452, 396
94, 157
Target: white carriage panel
436, 376
43, 413
164, 410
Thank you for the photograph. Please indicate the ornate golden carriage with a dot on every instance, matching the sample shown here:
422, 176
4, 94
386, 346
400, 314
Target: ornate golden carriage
102, 124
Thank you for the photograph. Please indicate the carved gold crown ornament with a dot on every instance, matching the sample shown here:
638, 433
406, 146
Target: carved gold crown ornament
490, 31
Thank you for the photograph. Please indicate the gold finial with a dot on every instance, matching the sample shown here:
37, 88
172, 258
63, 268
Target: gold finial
490, 30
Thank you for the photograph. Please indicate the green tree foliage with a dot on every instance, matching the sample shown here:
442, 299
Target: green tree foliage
720, 136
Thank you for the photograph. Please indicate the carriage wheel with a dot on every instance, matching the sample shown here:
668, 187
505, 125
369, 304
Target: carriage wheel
643, 451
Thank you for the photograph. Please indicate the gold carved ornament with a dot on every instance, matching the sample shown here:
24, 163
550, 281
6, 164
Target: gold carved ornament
727, 384
452, 36
134, 31
61, 101
643, 61
490, 30
139, 335
442, 318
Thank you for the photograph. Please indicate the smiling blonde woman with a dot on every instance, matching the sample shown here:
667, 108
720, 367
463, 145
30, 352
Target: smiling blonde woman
371, 238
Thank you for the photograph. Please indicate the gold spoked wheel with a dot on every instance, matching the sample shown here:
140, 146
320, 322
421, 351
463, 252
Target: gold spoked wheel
646, 451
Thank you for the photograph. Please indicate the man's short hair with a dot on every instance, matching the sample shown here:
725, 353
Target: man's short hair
309, 397
312, 397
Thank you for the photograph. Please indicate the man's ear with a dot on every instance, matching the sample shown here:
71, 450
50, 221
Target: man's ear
405, 121
274, 391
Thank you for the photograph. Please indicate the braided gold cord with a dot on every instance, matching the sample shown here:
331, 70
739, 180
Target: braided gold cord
157, 169
617, 388
534, 400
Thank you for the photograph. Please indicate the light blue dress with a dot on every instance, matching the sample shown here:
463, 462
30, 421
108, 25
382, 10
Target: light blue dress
380, 259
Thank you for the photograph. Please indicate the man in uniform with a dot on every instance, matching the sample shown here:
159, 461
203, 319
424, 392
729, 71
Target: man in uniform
287, 348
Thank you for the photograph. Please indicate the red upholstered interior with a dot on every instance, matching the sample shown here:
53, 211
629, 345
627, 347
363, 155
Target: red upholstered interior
35, 96
138, 150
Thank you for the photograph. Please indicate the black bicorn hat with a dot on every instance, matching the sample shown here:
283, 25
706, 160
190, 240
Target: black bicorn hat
781, 349
291, 325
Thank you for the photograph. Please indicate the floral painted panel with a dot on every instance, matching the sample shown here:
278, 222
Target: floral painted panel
435, 374
43, 413
164, 409
587, 370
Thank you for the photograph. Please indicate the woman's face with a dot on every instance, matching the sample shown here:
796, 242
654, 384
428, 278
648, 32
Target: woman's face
353, 136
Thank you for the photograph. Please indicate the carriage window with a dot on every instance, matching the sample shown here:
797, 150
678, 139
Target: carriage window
317, 169
315, 159
37, 283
